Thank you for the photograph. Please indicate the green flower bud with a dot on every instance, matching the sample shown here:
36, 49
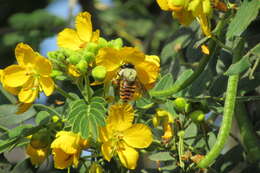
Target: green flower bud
82, 66
181, 105
56, 73
99, 73
197, 116
95, 168
92, 47
40, 139
74, 58
52, 55
117, 43
88, 56
102, 42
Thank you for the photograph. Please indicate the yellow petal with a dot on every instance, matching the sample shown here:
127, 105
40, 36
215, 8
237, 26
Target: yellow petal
163, 4
95, 36
23, 107
138, 136
128, 156
205, 49
28, 95
104, 134
132, 55
196, 7
205, 24
37, 156
47, 85
207, 9
148, 70
109, 58
62, 160
106, 150
184, 17
84, 26
24, 54
15, 76
120, 116
68, 38
42, 66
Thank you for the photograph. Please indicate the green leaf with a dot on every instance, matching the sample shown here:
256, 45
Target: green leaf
211, 139
168, 106
17, 131
87, 119
8, 116
161, 156
42, 117
165, 82
256, 50
191, 131
24, 166
239, 66
246, 13
144, 103
183, 76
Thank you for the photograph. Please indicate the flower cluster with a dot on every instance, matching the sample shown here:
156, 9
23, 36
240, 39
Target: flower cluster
86, 59
185, 11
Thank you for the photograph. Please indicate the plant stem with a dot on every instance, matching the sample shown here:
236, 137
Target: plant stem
228, 113
47, 108
64, 93
249, 139
221, 44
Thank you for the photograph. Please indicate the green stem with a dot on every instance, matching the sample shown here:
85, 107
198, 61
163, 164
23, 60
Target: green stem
47, 108
229, 106
64, 93
249, 139
221, 44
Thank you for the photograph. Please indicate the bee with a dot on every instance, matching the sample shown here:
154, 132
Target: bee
127, 82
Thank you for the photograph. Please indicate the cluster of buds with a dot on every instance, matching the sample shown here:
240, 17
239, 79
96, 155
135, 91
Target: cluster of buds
77, 62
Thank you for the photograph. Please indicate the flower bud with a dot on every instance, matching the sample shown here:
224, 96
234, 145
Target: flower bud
99, 73
56, 73
40, 139
95, 168
155, 121
181, 105
180, 3
92, 47
88, 56
82, 66
197, 116
102, 42
74, 58
117, 43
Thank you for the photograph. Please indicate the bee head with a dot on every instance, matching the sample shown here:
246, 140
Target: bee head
127, 65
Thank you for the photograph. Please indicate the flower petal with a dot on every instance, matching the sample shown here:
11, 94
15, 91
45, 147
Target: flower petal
15, 76
163, 4
138, 136
128, 156
28, 93
95, 36
62, 160
120, 117
23, 107
106, 150
132, 55
47, 85
37, 156
84, 26
109, 58
148, 70
42, 66
24, 54
68, 38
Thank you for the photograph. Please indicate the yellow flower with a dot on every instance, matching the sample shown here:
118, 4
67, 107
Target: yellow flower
79, 38
66, 149
165, 119
11, 90
121, 137
146, 66
187, 10
37, 156
30, 76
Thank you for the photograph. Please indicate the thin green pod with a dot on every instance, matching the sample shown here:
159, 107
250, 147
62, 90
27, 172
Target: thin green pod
229, 108
249, 139
226, 123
